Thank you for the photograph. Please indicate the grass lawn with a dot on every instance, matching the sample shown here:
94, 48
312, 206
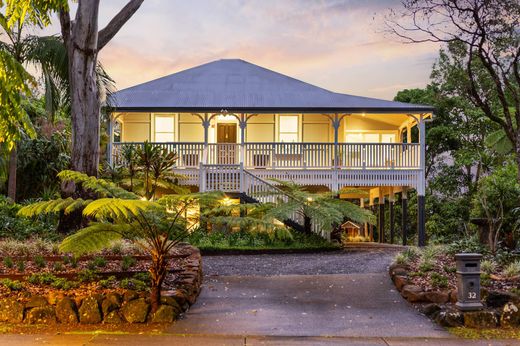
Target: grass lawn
494, 333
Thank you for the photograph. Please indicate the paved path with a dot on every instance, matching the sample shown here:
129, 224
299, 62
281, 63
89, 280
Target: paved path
264, 297
207, 340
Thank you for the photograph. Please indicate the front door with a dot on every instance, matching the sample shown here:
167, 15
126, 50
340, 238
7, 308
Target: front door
226, 143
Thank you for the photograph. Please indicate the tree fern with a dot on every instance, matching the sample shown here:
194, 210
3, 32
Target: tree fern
66, 205
101, 187
116, 208
93, 238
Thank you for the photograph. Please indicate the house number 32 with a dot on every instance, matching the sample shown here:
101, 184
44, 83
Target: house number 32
472, 295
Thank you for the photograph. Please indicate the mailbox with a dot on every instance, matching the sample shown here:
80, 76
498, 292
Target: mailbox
468, 281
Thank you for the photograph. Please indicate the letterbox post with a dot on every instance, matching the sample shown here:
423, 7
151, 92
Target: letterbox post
468, 281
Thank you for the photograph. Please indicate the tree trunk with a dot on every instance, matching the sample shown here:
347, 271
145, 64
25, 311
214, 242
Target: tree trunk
158, 273
517, 152
11, 184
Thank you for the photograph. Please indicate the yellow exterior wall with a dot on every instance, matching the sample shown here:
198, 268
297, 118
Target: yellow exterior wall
189, 132
316, 128
261, 128
136, 127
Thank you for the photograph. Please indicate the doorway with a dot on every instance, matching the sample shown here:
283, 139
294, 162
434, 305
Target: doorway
226, 143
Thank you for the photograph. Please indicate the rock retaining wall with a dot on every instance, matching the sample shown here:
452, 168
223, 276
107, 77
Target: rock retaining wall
125, 307
500, 308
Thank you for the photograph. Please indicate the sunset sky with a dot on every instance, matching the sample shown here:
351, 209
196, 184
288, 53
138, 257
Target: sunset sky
336, 44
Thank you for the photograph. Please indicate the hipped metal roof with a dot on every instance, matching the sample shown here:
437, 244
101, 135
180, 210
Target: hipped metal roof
237, 85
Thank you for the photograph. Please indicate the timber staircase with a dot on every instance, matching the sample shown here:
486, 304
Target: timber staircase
251, 188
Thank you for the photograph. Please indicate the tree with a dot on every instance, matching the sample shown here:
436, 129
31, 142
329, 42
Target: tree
497, 200
83, 42
483, 41
113, 213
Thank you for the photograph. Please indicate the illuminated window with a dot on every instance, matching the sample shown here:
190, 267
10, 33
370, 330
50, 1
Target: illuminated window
164, 128
356, 137
288, 130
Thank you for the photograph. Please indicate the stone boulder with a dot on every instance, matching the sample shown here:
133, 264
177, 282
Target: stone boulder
453, 296
400, 281
130, 295
480, 319
89, 312
113, 317
41, 315
414, 294
11, 310
169, 300
450, 318
439, 297
66, 311
112, 302
165, 314
36, 302
136, 311
497, 299
510, 315
430, 310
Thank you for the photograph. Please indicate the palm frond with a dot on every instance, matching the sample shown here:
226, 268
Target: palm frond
116, 208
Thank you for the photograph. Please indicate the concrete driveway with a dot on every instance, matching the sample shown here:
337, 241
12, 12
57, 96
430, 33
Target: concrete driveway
334, 305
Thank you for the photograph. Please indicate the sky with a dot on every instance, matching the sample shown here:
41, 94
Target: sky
335, 44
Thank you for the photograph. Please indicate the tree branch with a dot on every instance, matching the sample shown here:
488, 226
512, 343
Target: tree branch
113, 27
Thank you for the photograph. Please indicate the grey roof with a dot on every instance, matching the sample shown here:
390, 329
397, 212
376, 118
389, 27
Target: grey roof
237, 85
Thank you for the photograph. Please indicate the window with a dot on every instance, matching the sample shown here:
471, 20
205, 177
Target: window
288, 130
164, 128
356, 137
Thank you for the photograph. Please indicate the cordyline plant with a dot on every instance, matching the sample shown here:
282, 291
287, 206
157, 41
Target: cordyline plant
148, 167
154, 226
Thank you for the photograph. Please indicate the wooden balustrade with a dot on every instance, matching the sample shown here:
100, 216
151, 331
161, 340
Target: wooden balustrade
291, 155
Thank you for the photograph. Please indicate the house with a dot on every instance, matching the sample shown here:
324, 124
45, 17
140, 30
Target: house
235, 125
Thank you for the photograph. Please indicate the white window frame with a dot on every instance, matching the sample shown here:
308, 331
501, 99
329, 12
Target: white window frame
173, 131
297, 132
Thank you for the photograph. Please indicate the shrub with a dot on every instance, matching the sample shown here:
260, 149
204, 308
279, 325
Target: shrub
488, 266
512, 269
39, 261
8, 262
127, 262
401, 258
485, 279
144, 276
466, 245
134, 284
87, 275
64, 284
449, 269
20, 266
426, 266
41, 278
58, 266
438, 280
108, 282
13, 285
99, 262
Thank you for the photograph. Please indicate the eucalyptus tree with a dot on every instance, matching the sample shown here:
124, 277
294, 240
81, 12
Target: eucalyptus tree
483, 42
83, 41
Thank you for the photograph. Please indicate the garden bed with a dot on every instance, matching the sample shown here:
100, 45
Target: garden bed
43, 297
427, 278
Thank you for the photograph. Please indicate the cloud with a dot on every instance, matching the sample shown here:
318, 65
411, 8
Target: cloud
337, 44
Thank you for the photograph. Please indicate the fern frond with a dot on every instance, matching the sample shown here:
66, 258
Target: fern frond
116, 208
99, 186
93, 238
46, 207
